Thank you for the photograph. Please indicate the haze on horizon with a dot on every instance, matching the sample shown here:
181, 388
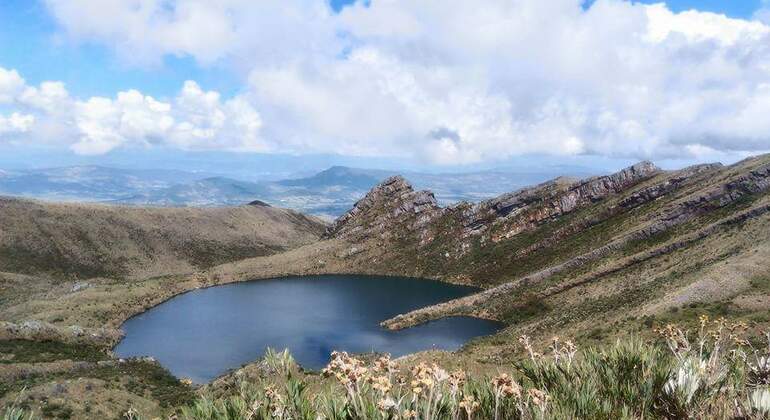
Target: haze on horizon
431, 85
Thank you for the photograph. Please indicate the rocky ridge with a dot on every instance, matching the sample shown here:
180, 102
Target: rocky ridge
390, 202
394, 202
559, 238
746, 181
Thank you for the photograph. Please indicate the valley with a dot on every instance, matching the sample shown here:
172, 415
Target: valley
593, 260
328, 193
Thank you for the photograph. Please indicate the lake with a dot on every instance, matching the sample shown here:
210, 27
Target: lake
203, 333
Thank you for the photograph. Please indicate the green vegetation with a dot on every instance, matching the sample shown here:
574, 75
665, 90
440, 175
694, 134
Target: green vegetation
25, 351
62, 366
530, 309
14, 412
712, 373
678, 269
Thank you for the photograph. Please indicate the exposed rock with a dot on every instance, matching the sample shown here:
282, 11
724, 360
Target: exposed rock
392, 202
43, 331
752, 182
528, 208
473, 304
652, 192
80, 285
394, 205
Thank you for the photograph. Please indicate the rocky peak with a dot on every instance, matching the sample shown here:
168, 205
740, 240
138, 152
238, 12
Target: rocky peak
393, 206
529, 207
391, 202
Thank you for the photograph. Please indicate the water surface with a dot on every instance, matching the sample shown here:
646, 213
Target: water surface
203, 333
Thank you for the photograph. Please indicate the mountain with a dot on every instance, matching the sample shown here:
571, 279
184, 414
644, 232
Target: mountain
332, 192
339, 177
599, 260
328, 193
208, 192
89, 183
90, 240
583, 258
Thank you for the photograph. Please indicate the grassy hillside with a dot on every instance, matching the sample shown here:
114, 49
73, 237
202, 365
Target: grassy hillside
591, 259
85, 240
614, 257
716, 371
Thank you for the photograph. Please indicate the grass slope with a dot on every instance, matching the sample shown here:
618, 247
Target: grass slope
82, 240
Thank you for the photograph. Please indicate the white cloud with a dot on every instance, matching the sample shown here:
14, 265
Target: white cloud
698, 26
51, 97
206, 122
448, 80
16, 123
374, 104
10, 85
143, 31
194, 119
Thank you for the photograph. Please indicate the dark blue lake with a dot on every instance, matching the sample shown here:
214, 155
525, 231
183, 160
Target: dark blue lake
203, 333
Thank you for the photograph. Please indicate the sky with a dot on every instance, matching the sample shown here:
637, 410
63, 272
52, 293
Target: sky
443, 83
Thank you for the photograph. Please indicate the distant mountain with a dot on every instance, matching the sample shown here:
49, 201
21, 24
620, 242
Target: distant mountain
208, 192
328, 193
89, 183
339, 176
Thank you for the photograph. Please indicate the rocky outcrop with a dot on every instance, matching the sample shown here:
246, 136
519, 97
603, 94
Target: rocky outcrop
394, 203
43, 331
733, 189
391, 203
645, 195
473, 305
528, 208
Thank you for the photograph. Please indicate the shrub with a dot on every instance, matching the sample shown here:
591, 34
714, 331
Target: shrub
715, 374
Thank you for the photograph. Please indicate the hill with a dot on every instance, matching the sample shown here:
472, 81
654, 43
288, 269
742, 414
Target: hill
89, 240
593, 258
89, 183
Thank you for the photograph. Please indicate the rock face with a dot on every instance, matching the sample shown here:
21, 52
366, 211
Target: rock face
394, 206
43, 331
530, 207
652, 192
661, 234
752, 182
392, 202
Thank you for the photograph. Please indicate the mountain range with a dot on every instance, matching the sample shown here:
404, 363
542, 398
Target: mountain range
598, 260
327, 194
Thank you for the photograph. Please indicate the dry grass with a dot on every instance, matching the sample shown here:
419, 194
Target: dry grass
87, 240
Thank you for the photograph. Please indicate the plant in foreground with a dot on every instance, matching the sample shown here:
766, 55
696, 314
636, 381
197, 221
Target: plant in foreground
714, 374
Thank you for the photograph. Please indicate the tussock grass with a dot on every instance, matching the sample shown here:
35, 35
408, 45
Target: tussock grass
714, 372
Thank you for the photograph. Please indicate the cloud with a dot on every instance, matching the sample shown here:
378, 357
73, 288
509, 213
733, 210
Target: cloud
15, 123
193, 120
51, 97
10, 85
449, 81
697, 26
143, 31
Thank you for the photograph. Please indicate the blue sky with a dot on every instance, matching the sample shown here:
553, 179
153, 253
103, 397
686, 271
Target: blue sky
29, 44
638, 82
733, 8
